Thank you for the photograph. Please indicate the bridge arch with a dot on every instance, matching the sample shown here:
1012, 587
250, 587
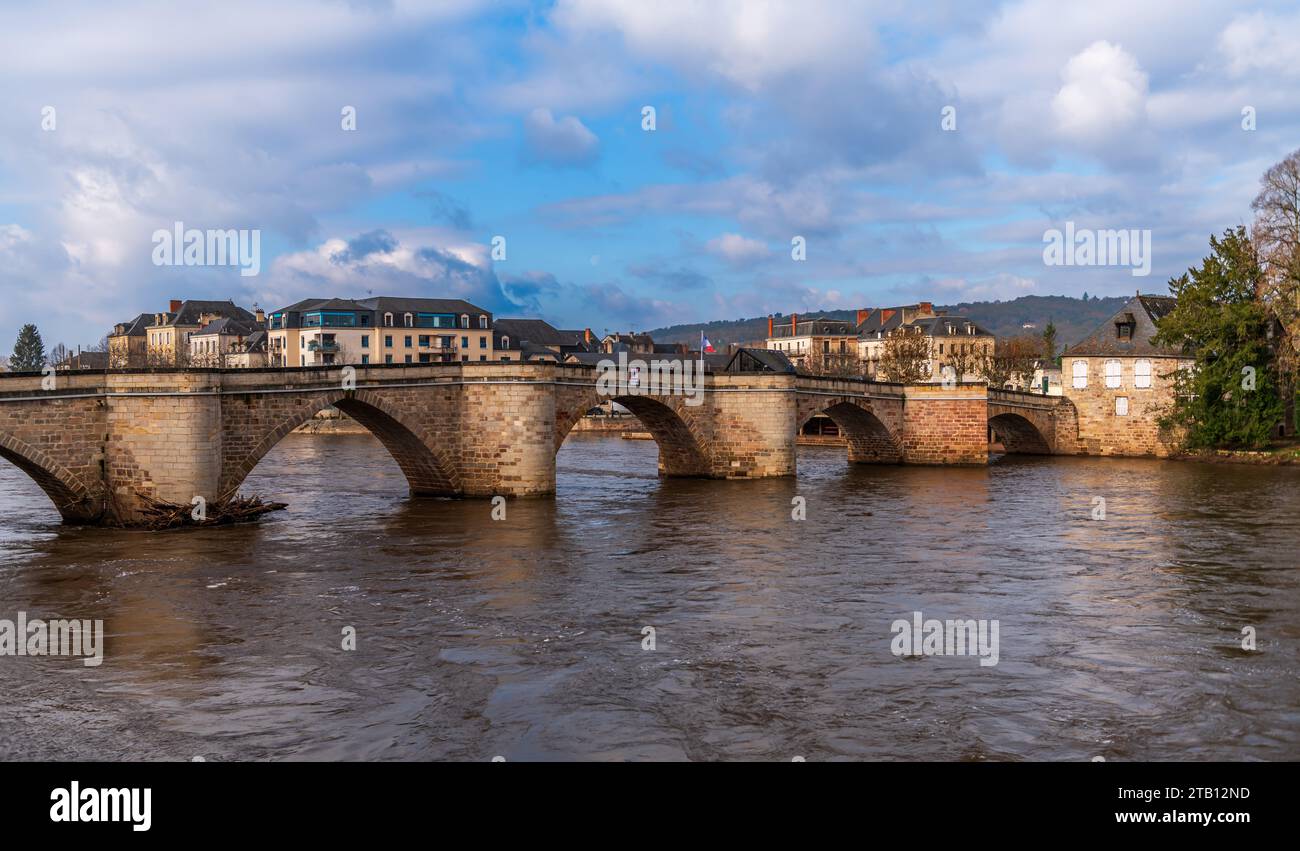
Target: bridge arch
870, 440
683, 447
1019, 435
428, 470
74, 501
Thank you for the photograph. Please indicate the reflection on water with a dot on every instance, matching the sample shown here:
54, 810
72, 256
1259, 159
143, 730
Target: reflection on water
523, 637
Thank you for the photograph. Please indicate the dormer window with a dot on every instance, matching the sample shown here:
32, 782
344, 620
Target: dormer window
482, 322
464, 320
408, 320
505, 342
388, 320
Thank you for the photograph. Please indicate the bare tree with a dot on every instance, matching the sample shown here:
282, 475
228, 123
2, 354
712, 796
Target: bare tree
1276, 235
835, 364
905, 357
1012, 361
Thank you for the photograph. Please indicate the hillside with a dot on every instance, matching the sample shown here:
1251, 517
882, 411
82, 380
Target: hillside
1075, 318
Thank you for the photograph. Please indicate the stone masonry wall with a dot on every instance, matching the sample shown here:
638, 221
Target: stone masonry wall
1102, 431
945, 425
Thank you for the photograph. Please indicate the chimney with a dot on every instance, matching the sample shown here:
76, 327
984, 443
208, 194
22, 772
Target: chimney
794, 324
174, 306
586, 335
927, 308
863, 314
260, 316
769, 325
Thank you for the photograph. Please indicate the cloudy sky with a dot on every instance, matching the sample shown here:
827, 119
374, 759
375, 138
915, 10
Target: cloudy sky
477, 120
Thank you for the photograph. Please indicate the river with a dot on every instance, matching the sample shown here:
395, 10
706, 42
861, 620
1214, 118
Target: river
522, 637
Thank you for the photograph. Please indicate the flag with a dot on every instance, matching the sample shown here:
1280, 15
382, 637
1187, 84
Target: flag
705, 345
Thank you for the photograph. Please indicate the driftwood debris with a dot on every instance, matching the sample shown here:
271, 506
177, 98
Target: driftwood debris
168, 515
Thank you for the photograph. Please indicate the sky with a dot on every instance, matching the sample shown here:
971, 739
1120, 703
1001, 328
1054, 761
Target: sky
916, 151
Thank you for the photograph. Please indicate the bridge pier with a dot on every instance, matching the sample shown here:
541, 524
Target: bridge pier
945, 425
506, 438
163, 440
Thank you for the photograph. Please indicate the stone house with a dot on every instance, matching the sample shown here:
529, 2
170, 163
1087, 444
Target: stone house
1121, 382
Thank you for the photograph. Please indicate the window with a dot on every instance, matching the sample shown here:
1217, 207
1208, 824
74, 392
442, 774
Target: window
1142, 373
1121, 406
482, 357
464, 342
365, 341
388, 340
505, 343
424, 341
388, 320
1112, 374
482, 342
408, 341
1080, 369
408, 320
388, 358
464, 321
482, 322
365, 359
408, 358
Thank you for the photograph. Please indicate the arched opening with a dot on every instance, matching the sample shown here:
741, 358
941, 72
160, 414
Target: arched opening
869, 440
74, 503
426, 472
680, 451
1017, 435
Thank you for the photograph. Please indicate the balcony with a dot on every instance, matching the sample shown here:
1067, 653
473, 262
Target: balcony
322, 346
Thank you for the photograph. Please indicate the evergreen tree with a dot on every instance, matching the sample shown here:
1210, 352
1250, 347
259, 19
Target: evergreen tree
1049, 340
29, 351
1230, 397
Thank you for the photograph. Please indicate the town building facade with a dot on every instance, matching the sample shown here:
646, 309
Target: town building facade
821, 345
1121, 382
380, 330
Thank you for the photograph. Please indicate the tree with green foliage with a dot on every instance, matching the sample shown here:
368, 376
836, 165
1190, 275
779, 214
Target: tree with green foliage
1230, 397
1049, 341
29, 351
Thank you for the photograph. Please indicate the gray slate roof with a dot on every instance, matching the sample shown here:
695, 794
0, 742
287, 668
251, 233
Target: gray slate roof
1141, 314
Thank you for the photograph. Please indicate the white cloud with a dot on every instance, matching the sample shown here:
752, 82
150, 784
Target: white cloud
1104, 94
1262, 42
737, 249
746, 42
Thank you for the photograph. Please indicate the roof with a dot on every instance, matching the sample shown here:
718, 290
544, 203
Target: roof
85, 360
815, 327
938, 326
192, 309
759, 360
536, 331
385, 304
135, 327
1141, 314
226, 325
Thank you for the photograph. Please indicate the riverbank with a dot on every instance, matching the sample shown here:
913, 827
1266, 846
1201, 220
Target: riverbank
1281, 456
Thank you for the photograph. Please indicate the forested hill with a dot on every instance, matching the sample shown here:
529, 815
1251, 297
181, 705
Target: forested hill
1075, 318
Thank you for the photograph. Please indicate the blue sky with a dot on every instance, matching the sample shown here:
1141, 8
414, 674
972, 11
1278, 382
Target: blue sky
524, 121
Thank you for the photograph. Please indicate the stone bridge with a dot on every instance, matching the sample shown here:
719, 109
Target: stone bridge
99, 443
1033, 424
